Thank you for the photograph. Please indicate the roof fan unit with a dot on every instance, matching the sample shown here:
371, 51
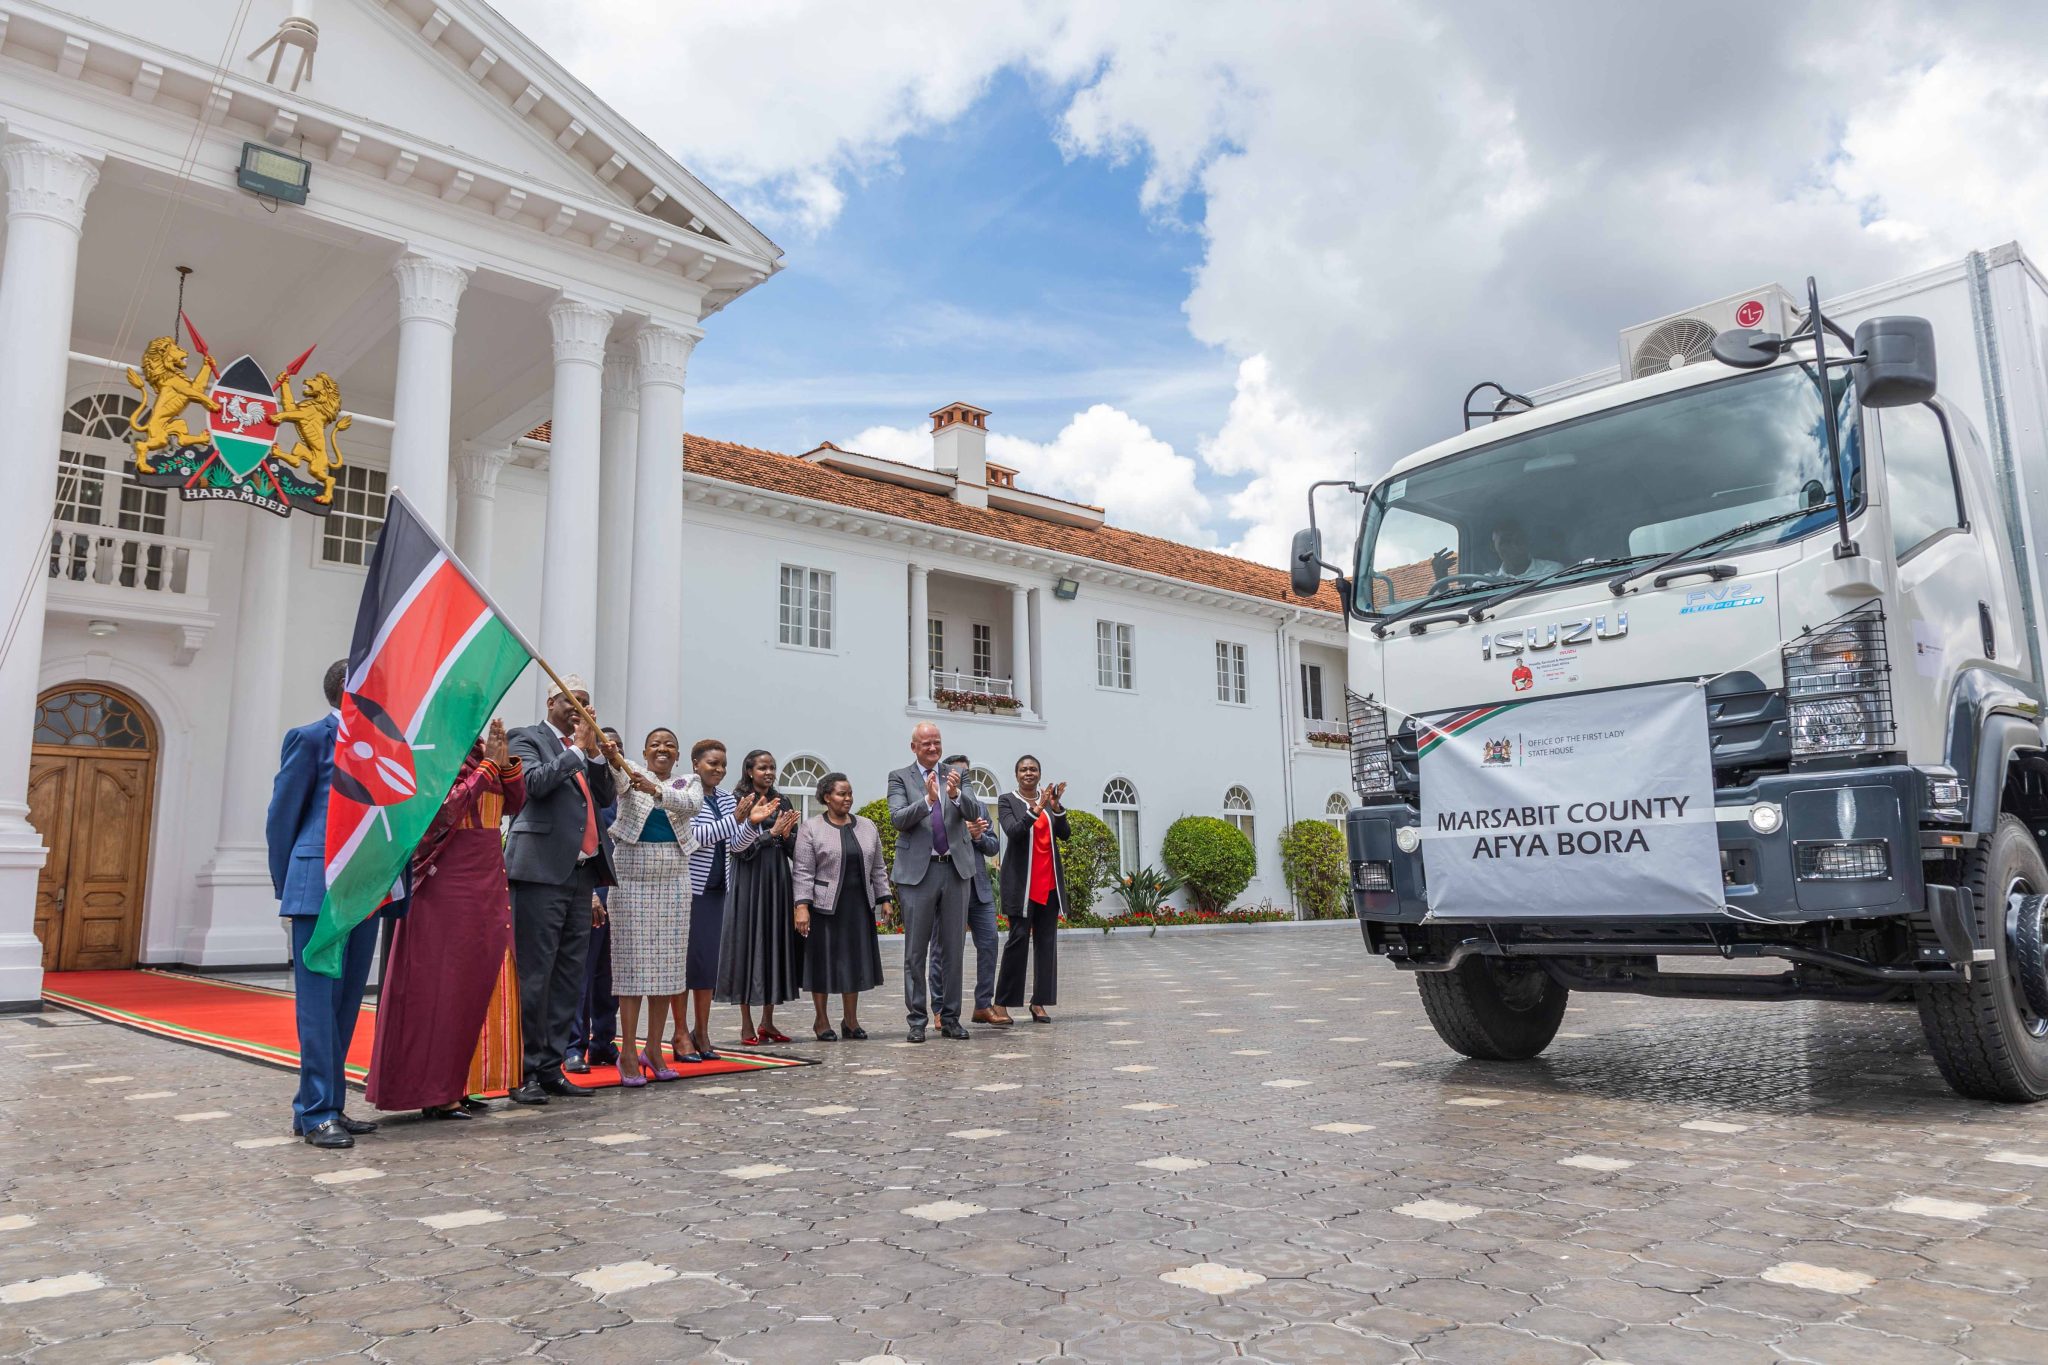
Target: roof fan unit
1674, 342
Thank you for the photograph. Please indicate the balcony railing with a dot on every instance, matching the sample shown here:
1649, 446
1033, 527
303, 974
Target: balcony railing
105, 560
1322, 734
946, 680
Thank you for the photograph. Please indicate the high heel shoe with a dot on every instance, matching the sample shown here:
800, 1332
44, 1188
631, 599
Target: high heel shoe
682, 1058
705, 1052
658, 1071
771, 1034
446, 1111
853, 1032
1039, 1016
824, 1035
632, 1081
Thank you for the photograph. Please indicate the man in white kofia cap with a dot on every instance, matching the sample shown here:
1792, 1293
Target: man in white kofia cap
555, 858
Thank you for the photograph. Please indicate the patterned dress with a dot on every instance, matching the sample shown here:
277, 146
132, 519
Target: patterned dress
649, 909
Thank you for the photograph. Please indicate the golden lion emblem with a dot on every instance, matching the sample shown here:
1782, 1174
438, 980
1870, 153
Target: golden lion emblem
159, 421
318, 407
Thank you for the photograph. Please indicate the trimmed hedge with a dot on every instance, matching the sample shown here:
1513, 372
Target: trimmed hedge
1312, 858
1090, 857
1211, 857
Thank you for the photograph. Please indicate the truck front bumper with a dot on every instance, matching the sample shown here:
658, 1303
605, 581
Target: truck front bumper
1863, 822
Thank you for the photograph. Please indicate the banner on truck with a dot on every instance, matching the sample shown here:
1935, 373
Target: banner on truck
1598, 804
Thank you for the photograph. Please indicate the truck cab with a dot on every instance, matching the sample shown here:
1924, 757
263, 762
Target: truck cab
1717, 682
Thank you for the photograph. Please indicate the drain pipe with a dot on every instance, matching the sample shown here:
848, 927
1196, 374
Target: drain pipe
1286, 740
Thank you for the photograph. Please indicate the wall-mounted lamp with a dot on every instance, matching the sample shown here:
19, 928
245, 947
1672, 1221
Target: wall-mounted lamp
100, 629
1066, 589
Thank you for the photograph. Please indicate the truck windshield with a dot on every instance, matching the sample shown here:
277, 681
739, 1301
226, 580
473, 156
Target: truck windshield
1642, 480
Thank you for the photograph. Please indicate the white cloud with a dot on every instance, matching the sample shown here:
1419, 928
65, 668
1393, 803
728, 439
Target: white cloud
1394, 200
1104, 457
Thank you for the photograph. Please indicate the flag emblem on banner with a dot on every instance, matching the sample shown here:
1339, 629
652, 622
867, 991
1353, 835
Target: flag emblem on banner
431, 658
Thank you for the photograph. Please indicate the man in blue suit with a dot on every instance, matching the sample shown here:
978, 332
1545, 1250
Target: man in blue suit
327, 1008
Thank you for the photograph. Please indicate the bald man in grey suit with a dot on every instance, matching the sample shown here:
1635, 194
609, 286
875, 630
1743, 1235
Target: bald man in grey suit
934, 872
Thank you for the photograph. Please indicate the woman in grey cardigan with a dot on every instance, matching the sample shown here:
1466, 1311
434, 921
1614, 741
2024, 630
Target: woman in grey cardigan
840, 885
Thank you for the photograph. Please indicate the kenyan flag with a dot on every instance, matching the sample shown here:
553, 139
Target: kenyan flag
1433, 733
431, 658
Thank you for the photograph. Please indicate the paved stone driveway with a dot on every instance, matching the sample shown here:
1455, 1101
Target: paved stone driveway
1231, 1146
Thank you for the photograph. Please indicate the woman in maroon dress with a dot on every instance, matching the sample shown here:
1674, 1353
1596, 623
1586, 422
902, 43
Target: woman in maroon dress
446, 952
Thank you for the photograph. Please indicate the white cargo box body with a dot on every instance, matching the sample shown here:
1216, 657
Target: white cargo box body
1990, 317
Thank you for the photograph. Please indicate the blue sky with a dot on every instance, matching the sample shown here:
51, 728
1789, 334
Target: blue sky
982, 265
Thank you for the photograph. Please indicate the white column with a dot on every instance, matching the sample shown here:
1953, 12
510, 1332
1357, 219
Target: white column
617, 451
429, 292
1020, 649
569, 583
655, 666
920, 639
476, 506
236, 919
47, 187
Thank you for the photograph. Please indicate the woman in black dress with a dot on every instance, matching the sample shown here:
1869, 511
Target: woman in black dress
1033, 888
842, 887
760, 957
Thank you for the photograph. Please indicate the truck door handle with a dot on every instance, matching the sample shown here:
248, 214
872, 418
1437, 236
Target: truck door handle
1984, 625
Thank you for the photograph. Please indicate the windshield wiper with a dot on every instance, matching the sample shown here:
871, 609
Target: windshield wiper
1439, 592
1619, 584
1516, 587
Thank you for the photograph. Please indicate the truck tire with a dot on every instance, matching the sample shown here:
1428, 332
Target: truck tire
1494, 1011
1987, 1040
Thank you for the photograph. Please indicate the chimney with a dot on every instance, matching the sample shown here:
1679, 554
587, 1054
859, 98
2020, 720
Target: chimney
960, 448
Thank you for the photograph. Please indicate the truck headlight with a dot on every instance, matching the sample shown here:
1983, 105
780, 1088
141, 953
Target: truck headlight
1838, 686
1372, 758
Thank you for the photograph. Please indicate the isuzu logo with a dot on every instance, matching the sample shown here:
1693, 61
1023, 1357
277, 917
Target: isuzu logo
1532, 639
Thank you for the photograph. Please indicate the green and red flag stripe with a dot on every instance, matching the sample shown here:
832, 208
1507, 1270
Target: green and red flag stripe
1435, 732
431, 658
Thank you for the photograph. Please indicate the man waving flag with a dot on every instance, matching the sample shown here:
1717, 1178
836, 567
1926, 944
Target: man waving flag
431, 658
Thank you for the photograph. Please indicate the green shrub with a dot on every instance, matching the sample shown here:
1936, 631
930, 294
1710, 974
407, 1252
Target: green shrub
877, 810
1089, 857
1313, 860
1212, 859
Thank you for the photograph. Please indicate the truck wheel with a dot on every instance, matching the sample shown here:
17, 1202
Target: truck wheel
1987, 1038
1494, 1011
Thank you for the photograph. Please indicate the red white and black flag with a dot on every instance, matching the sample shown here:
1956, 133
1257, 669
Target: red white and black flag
431, 659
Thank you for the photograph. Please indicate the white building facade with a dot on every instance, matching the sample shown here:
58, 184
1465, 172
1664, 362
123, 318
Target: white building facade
506, 282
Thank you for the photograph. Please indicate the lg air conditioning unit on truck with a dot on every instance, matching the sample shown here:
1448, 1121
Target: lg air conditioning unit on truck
1683, 338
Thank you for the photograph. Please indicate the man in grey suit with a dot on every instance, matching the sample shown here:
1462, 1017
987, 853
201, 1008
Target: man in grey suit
555, 859
934, 872
981, 906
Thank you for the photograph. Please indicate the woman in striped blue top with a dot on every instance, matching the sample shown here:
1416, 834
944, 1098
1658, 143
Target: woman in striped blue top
723, 824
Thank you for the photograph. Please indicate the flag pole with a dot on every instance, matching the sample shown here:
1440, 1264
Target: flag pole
397, 495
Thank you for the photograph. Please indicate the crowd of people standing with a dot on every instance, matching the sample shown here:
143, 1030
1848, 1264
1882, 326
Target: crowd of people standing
572, 907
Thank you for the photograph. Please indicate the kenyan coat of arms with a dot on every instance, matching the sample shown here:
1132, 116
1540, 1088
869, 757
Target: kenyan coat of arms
259, 444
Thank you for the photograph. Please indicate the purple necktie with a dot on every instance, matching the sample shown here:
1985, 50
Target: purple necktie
941, 846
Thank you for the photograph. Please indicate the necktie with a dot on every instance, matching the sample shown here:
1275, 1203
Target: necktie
589, 810
941, 844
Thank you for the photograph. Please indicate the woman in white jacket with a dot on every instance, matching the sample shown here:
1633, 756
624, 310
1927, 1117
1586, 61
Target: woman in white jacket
649, 909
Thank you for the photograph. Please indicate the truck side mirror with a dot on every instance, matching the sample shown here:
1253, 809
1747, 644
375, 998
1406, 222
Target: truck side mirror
1898, 361
1305, 563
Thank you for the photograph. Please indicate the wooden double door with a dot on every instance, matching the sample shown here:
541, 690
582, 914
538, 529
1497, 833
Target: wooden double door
92, 779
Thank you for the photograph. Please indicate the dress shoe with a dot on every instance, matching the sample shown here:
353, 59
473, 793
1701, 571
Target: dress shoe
576, 1064
357, 1127
853, 1031
568, 1090
530, 1093
602, 1056
446, 1113
330, 1134
993, 1016
916, 1034
953, 1031
475, 1105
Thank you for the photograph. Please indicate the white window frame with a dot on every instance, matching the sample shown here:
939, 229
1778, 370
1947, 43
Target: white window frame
1120, 809
1238, 810
339, 517
1312, 707
815, 624
935, 644
797, 779
985, 786
1116, 656
1233, 677
1336, 808
982, 649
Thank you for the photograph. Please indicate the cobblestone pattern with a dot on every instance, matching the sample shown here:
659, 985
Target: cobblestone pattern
1673, 1182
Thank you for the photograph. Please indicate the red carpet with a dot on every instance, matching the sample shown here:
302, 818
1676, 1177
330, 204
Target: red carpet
256, 1022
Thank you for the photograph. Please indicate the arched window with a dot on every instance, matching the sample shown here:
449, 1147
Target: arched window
798, 783
983, 784
88, 718
94, 488
1237, 809
1120, 813
1335, 809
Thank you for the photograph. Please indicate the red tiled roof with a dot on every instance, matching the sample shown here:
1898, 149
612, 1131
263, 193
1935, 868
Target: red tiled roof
788, 474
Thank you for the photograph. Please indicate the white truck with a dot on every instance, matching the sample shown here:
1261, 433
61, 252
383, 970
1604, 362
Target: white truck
1721, 676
